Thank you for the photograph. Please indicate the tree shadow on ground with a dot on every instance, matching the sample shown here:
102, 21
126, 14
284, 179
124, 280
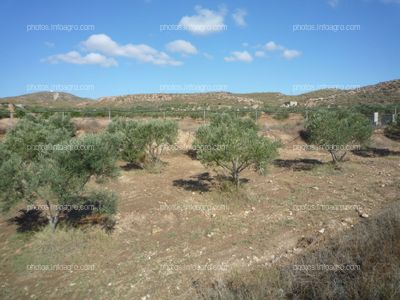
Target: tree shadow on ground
200, 183
131, 166
103, 221
375, 152
304, 164
304, 135
227, 179
204, 181
87, 215
34, 220
192, 154
29, 220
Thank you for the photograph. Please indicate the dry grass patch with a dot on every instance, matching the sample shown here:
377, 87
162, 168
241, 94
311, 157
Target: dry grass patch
363, 263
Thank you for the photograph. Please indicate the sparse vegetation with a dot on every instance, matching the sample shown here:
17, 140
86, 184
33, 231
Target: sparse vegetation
251, 220
159, 150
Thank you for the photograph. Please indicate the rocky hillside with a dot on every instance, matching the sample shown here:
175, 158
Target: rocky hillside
383, 93
217, 98
48, 99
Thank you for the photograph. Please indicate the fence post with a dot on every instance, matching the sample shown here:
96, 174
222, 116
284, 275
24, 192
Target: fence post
256, 115
376, 118
204, 115
164, 114
109, 114
11, 110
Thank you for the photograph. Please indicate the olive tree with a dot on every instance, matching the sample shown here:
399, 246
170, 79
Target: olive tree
156, 135
130, 139
50, 171
233, 144
336, 130
144, 140
31, 135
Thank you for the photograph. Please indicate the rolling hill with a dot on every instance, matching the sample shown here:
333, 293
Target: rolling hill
382, 93
48, 99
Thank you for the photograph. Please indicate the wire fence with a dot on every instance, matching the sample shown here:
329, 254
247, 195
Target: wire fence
383, 119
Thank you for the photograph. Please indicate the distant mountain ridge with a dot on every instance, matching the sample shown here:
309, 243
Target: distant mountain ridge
383, 93
50, 99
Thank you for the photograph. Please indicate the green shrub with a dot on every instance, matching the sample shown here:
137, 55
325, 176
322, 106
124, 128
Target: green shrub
139, 139
129, 136
58, 170
20, 113
32, 133
335, 130
281, 115
234, 145
157, 134
393, 130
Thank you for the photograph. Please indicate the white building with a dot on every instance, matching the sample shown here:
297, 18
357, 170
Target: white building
289, 104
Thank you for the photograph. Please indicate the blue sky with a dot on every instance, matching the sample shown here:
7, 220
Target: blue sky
118, 47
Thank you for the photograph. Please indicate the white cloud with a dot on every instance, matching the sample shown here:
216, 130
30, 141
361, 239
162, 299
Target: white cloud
182, 47
259, 54
239, 56
290, 54
140, 52
286, 53
238, 16
74, 57
205, 22
272, 46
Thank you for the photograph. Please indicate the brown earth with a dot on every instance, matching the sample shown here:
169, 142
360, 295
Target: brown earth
170, 223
